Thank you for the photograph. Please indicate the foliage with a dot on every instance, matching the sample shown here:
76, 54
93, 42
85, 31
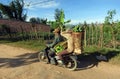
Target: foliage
38, 20
59, 20
28, 44
1, 16
109, 18
14, 10
53, 24
98, 37
59, 16
77, 28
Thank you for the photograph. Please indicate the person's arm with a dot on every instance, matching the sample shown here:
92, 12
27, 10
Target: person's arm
53, 43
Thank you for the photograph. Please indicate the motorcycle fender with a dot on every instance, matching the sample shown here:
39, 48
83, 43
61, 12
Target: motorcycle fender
74, 56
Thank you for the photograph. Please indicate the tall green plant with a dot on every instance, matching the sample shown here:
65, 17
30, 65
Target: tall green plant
109, 20
110, 16
60, 18
85, 36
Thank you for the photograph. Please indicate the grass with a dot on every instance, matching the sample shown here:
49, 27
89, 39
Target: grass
28, 44
115, 60
113, 55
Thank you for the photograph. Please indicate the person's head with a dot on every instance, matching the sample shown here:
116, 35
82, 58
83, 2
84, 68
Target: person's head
56, 31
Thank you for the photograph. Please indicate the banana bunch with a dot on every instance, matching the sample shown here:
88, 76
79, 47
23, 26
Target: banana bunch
77, 28
59, 48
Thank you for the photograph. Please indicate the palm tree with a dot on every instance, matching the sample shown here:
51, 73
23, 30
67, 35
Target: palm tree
14, 10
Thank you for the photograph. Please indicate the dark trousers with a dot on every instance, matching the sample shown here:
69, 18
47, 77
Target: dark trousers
49, 54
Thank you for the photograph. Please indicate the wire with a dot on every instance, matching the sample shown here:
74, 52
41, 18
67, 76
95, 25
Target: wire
45, 1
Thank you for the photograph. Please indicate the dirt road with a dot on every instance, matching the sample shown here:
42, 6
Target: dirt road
18, 63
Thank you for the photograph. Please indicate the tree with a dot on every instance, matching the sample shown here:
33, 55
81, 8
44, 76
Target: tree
43, 21
59, 19
109, 21
1, 15
110, 17
15, 10
59, 16
38, 20
33, 20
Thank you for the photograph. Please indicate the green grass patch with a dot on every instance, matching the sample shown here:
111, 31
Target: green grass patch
113, 55
115, 60
90, 49
28, 44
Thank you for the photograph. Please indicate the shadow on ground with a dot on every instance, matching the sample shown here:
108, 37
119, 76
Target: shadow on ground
86, 61
21, 60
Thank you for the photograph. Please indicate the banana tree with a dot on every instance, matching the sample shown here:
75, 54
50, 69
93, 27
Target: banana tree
59, 20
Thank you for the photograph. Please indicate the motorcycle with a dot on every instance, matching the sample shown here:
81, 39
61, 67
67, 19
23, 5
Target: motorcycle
70, 60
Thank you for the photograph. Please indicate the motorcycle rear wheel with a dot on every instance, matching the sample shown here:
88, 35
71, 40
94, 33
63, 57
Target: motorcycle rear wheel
71, 63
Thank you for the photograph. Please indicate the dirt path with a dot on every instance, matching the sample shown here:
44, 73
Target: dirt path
18, 63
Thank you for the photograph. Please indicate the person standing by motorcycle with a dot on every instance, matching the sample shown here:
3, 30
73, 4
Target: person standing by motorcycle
70, 45
49, 49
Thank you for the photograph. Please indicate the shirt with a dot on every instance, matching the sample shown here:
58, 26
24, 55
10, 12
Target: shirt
58, 38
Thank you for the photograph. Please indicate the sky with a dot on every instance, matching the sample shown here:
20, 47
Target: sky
77, 11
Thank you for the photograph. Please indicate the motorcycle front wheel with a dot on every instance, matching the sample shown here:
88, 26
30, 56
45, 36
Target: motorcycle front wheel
42, 57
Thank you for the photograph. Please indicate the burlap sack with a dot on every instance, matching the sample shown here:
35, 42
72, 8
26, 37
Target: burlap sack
77, 39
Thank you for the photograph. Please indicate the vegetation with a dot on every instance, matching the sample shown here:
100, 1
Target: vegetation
100, 35
38, 20
36, 45
101, 38
78, 28
14, 10
113, 55
1, 15
59, 20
